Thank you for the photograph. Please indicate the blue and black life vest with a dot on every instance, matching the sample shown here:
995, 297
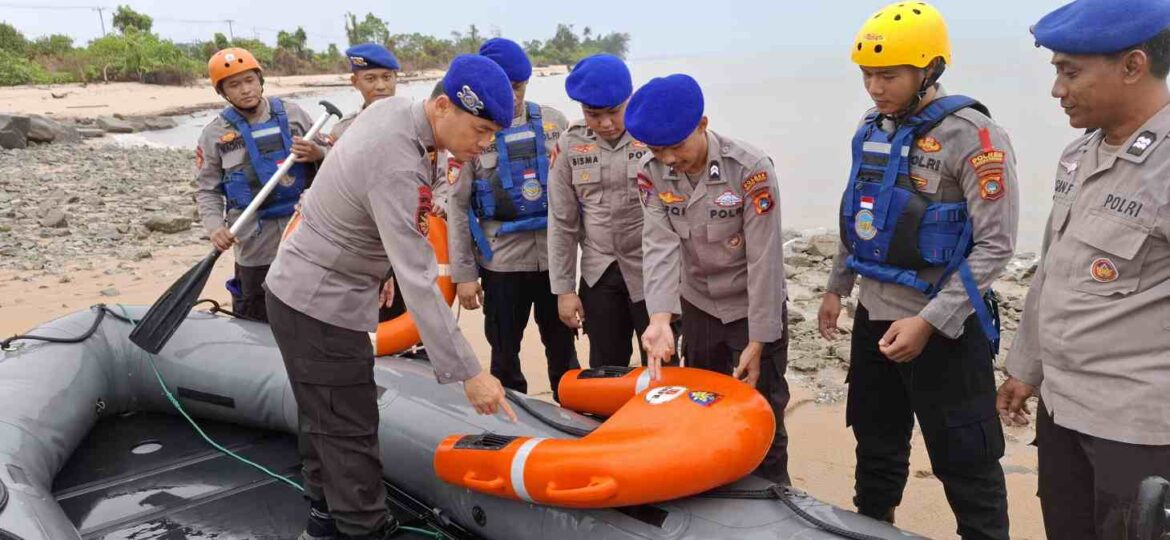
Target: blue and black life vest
268, 144
516, 194
892, 230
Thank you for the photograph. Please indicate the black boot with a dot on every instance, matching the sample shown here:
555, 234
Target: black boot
320, 525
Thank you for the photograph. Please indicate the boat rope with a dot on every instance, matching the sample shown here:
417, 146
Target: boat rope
784, 494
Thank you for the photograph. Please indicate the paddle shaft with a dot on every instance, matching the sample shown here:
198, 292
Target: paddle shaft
270, 185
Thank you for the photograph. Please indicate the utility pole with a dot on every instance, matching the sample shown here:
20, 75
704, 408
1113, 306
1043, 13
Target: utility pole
231, 34
102, 19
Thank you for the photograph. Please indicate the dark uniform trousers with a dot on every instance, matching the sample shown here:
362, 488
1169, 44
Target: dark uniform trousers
1088, 484
950, 387
508, 298
250, 304
612, 320
711, 344
331, 372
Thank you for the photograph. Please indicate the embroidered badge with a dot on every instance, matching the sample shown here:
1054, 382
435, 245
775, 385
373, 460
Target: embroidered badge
863, 225
470, 101
728, 199
762, 202
704, 398
228, 137
454, 167
584, 148
929, 145
1142, 143
668, 197
1103, 270
713, 170
991, 186
423, 210
531, 190
664, 394
919, 183
991, 157
755, 180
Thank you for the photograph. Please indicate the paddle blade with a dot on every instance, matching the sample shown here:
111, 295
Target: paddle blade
171, 309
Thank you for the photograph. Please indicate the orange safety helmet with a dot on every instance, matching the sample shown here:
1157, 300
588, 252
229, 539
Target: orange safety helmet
230, 61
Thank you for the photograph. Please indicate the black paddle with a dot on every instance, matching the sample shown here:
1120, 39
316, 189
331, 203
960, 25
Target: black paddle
171, 309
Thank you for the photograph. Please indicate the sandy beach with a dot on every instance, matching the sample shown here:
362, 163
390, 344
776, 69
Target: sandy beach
77, 229
136, 99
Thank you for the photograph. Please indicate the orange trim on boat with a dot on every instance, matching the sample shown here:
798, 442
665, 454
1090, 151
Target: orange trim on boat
690, 432
400, 333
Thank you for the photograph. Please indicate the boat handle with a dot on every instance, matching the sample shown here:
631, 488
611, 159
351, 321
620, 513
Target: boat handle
495, 484
600, 488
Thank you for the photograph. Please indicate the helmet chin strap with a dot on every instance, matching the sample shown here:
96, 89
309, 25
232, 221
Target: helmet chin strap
933, 72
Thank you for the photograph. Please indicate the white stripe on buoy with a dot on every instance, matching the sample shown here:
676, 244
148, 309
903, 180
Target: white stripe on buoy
444, 270
518, 462
643, 382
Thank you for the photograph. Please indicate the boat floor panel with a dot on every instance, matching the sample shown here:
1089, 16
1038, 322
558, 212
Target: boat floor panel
147, 476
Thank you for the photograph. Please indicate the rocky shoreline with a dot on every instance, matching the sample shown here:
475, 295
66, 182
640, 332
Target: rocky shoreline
64, 205
61, 204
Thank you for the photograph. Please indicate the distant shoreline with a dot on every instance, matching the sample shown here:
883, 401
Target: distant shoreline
77, 101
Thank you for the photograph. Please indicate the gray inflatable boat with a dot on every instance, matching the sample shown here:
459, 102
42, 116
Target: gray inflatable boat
90, 447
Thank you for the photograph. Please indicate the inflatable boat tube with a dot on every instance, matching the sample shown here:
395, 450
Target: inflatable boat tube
228, 370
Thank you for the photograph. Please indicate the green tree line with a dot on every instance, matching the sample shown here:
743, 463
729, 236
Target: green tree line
133, 52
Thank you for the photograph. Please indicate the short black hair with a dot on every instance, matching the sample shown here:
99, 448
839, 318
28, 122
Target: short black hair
1157, 49
437, 90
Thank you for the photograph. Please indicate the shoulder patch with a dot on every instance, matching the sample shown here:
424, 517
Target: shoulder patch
454, 167
762, 202
756, 180
423, 210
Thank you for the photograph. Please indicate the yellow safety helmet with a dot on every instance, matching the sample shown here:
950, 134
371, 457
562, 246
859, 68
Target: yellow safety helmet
902, 33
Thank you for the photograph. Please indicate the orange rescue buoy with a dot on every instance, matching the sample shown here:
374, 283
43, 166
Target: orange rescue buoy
400, 333
690, 432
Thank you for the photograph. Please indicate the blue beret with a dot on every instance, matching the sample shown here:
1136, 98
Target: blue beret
1101, 26
371, 56
480, 87
665, 110
599, 81
510, 56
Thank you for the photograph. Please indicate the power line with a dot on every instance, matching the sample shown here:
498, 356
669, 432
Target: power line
98, 9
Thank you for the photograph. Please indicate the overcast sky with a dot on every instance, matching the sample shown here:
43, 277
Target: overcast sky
658, 28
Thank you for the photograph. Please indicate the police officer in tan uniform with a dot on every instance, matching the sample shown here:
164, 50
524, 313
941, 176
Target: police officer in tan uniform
1095, 333
375, 76
238, 151
928, 220
711, 234
367, 210
593, 203
498, 215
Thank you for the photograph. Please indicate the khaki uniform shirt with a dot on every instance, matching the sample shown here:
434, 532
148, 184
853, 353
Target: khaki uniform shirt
367, 209
722, 236
220, 151
440, 188
525, 251
1096, 323
943, 164
593, 202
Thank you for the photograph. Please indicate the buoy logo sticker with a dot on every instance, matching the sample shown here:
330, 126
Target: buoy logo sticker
664, 394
